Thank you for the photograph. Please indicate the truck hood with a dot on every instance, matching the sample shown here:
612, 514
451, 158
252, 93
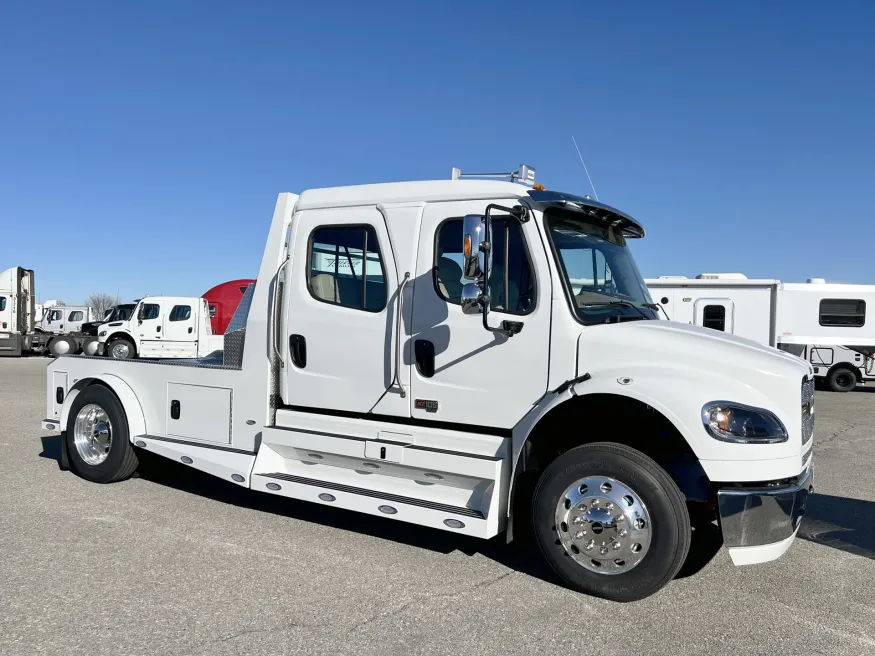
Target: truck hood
694, 347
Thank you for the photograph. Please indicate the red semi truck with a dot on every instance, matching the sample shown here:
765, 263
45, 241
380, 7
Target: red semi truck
223, 301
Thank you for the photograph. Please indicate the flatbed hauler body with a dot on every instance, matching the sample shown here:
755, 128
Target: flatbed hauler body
477, 357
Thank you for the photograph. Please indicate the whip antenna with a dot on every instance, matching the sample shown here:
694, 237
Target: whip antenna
594, 192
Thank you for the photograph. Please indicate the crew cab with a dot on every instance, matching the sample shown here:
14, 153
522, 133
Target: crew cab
161, 327
475, 356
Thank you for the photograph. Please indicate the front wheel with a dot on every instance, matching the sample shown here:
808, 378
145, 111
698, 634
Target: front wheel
611, 522
842, 380
122, 349
97, 437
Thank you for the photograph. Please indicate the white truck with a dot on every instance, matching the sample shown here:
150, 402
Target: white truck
823, 323
57, 331
161, 327
475, 356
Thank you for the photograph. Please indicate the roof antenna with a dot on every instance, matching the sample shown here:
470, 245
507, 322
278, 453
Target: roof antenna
594, 192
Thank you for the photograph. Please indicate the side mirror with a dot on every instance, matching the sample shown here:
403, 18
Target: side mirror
474, 263
471, 296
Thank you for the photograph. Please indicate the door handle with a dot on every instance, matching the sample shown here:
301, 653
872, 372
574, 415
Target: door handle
189, 330
424, 352
298, 350
157, 329
174, 409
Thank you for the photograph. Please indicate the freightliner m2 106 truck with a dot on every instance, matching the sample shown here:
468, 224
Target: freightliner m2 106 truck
475, 356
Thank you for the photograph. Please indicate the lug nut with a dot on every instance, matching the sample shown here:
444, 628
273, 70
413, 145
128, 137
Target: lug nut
623, 533
589, 545
582, 507
579, 535
609, 505
577, 520
615, 546
603, 550
595, 502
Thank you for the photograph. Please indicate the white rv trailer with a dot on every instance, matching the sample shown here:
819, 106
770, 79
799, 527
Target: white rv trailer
470, 356
822, 323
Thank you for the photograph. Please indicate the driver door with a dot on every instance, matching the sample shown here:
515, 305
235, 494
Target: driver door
148, 329
460, 370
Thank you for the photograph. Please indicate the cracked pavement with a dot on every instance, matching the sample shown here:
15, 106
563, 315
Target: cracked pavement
174, 562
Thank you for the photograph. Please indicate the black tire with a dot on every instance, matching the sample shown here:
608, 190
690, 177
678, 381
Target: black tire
670, 531
121, 460
842, 379
118, 353
90, 346
63, 345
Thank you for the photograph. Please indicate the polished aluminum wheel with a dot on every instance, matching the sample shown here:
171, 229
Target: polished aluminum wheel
121, 350
603, 525
92, 434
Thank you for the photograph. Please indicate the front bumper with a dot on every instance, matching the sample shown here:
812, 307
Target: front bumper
759, 523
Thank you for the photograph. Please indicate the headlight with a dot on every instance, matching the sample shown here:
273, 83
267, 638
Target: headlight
102, 333
731, 422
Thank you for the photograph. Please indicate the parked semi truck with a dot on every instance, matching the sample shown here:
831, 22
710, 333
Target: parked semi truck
58, 330
476, 356
823, 323
161, 327
223, 300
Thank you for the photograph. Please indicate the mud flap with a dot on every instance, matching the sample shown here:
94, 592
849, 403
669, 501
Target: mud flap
65, 454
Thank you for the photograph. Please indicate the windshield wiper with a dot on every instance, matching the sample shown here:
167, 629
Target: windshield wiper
615, 303
657, 307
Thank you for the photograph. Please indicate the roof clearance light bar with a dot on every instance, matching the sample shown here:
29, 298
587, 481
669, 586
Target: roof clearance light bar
525, 175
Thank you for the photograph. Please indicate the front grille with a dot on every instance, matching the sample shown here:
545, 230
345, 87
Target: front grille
807, 409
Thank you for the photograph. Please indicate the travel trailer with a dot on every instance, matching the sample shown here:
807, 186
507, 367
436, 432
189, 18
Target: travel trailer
475, 356
823, 323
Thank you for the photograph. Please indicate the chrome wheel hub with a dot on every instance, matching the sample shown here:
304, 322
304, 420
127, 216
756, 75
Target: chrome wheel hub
92, 434
62, 347
603, 525
120, 350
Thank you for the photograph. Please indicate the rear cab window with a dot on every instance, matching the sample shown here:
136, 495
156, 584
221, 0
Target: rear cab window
346, 268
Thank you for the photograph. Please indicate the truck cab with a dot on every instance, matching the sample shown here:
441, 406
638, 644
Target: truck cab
64, 319
474, 356
160, 327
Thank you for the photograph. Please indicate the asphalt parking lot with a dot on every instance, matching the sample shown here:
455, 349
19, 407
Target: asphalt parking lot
174, 562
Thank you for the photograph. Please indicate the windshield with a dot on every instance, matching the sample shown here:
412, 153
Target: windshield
600, 274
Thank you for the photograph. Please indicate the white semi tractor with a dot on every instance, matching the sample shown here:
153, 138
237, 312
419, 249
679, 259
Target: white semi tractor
479, 357
823, 323
57, 331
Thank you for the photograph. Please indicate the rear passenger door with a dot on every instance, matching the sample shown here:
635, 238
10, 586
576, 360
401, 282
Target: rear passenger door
180, 330
342, 285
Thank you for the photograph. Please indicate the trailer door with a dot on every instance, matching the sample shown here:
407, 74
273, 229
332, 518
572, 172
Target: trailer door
715, 313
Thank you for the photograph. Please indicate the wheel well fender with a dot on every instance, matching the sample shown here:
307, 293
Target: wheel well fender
121, 335
545, 436
850, 366
121, 390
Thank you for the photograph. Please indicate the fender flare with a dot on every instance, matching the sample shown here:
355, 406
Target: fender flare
130, 403
524, 429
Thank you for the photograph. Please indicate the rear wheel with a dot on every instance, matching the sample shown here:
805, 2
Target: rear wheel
611, 522
122, 349
97, 437
842, 380
63, 345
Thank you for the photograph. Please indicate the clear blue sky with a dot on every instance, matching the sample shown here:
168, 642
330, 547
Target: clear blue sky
143, 144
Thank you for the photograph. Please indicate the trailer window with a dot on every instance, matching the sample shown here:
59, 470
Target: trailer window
180, 313
714, 317
148, 311
346, 268
849, 313
2, 303
821, 356
511, 283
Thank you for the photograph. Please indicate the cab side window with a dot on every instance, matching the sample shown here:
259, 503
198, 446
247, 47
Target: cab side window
2, 303
76, 315
345, 268
180, 313
511, 281
148, 311
55, 315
